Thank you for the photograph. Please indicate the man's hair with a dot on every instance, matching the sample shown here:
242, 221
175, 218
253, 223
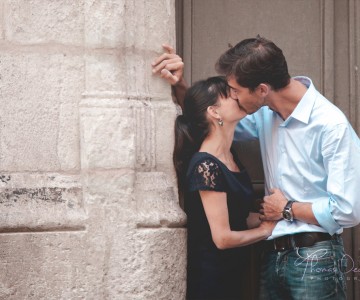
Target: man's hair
254, 61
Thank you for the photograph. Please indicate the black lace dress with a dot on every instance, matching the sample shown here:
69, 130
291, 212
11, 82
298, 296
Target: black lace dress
214, 273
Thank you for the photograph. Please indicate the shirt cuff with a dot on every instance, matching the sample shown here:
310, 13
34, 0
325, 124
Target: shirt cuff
321, 211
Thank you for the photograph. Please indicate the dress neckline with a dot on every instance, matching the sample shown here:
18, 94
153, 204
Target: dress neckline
233, 172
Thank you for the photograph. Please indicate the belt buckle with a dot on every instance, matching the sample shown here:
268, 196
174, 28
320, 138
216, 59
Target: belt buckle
282, 248
287, 243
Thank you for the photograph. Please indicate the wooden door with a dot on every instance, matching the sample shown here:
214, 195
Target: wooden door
320, 39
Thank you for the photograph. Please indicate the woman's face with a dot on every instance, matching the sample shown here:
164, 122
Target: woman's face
229, 109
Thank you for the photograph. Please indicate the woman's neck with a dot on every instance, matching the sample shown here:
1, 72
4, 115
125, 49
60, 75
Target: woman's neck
218, 144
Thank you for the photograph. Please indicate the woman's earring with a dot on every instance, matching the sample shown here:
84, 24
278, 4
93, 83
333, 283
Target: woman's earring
221, 122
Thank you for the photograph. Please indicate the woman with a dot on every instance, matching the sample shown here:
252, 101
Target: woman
217, 192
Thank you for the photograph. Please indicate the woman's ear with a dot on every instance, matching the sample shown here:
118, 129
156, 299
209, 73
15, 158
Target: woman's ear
213, 112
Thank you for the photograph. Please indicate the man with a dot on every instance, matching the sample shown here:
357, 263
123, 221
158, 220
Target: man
310, 155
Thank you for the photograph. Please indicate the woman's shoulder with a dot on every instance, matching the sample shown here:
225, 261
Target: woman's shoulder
204, 159
205, 173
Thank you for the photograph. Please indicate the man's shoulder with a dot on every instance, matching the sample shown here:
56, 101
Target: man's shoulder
327, 113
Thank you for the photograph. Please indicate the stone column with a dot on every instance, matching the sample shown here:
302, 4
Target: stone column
126, 117
88, 202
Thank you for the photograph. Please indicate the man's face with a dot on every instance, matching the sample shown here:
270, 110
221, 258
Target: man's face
249, 101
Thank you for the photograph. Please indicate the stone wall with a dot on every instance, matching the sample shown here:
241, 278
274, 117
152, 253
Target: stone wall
88, 203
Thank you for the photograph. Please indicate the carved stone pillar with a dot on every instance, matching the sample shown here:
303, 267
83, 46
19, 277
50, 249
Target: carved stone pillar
88, 202
127, 120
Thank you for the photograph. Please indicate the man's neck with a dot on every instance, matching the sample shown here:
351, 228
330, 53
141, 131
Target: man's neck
285, 100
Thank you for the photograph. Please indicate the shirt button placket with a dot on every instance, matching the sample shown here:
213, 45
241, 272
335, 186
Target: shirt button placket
281, 154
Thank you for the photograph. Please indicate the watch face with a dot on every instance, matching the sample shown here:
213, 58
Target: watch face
287, 215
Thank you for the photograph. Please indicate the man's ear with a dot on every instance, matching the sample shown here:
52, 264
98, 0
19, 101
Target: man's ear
263, 89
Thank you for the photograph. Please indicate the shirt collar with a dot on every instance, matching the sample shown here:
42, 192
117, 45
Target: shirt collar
303, 110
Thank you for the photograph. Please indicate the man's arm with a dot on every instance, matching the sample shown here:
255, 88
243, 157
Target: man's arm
341, 158
170, 66
274, 204
341, 207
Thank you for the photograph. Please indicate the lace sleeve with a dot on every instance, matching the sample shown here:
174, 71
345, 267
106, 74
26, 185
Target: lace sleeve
206, 176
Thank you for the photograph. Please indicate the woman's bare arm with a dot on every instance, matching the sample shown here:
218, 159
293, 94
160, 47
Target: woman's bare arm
216, 211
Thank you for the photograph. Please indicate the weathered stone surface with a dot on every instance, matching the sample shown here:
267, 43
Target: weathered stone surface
40, 202
88, 204
165, 113
107, 138
147, 264
38, 108
139, 25
126, 37
1, 20
105, 23
46, 266
124, 71
113, 190
39, 22
156, 201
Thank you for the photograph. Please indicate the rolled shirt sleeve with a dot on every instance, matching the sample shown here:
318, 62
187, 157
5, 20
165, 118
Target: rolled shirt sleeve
341, 158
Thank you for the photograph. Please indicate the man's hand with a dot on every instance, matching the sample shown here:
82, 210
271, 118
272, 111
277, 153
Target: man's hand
169, 66
273, 206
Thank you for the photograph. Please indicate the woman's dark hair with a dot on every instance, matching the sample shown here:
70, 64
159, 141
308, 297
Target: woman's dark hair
254, 61
192, 126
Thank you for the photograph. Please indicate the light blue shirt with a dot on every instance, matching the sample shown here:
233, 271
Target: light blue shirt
312, 156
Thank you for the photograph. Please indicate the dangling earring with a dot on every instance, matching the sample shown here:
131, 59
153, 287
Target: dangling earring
221, 122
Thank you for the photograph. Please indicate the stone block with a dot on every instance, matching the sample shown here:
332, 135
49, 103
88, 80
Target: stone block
39, 106
112, 188
147, 264
107, 137
1, 20
157, 201
106, 71
146, 19
124, 72
165, 113
122, 58
41, 202
47, 266
43, 21
105, 24
108, 22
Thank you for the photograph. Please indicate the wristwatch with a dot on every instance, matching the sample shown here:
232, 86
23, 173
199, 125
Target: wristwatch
287, 211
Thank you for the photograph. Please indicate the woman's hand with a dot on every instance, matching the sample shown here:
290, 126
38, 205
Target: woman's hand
268, 227
169, 66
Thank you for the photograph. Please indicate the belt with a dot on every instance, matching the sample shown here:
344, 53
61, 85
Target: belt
298, 240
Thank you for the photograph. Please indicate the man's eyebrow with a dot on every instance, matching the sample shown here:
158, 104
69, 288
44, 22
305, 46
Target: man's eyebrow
231, 87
